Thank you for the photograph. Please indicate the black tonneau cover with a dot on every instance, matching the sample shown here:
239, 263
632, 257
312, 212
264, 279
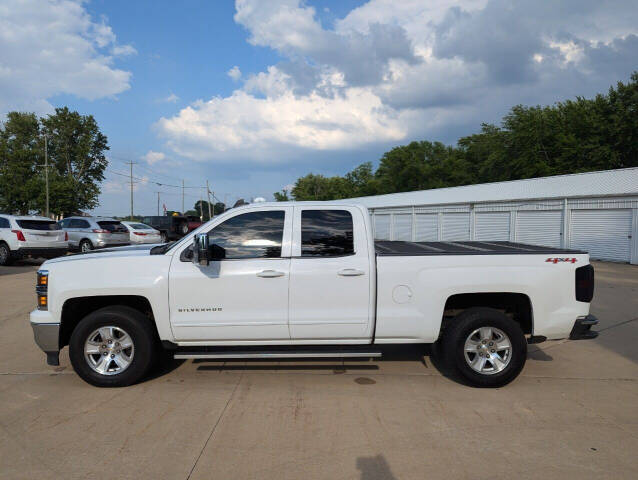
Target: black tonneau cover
407, 249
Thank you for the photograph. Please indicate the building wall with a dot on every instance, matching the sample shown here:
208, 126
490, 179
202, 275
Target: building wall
607, 227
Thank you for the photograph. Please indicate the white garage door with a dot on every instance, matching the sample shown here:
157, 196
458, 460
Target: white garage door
539, 227
403, 226
427, 226
382, 227
455, 226
492, 226
603, 233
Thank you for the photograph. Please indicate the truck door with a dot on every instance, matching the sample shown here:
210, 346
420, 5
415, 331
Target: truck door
330, 276
243, 297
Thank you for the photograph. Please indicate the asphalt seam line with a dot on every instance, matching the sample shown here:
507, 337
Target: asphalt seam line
232, 395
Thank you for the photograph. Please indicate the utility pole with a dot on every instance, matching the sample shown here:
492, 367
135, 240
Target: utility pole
46, 173
182, 196
210, 215
131, 164
201, 206
158, 202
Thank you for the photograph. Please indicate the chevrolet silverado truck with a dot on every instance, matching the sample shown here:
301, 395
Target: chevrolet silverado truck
308, 280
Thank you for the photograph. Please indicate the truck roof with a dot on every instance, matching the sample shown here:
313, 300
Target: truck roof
407, 249
310, 203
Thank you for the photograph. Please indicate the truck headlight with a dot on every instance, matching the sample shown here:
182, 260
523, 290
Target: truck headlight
41, 289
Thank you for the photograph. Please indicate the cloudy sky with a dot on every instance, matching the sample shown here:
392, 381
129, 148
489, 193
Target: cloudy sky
253, 94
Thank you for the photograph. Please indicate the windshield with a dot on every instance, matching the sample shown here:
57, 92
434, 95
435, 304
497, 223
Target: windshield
112, 226
38, 224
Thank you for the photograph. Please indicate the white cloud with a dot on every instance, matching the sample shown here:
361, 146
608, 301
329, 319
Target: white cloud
245, 125
152, 157
234, 73
123, 50
54, 47
172, 98
396, 71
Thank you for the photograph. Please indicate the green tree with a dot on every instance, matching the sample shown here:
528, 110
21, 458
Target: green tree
216, 209
281, 196
21, 153
77, 153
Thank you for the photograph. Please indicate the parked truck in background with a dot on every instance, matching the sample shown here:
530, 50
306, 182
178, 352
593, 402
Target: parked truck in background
308, 280
171, 227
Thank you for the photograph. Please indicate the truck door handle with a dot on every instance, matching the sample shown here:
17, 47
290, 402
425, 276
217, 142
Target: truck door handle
350, 272
270, 274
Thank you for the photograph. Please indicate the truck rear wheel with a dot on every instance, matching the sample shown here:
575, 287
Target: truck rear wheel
485, 346
112, 347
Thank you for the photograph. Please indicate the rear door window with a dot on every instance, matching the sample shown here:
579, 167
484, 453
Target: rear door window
326, 233
38, 224
112, 226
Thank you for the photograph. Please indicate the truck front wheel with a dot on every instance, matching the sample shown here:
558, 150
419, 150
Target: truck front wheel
485, 346
112, 347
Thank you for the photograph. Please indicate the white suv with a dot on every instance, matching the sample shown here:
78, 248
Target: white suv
30, 236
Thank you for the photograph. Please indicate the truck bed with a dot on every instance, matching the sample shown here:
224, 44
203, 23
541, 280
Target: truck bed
407, 249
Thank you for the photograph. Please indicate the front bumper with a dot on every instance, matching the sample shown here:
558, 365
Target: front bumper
582, 328
46, 336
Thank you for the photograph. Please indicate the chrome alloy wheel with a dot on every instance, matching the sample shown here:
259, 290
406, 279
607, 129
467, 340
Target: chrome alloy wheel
109, 350
85, 247
488, 350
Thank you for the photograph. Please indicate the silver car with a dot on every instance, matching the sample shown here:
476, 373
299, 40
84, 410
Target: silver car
88, 233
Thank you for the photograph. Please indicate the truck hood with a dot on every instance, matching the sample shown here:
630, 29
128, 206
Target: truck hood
106, 253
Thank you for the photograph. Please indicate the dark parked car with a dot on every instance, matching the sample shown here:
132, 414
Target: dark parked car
170, 228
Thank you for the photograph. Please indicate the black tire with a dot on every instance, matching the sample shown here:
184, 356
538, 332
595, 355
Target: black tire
5, 254
453, 346
138, 328
85, 245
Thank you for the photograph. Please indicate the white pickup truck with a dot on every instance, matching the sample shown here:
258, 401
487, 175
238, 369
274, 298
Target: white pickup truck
303, 279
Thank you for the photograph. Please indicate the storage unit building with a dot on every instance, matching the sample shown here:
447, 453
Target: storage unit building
595, 211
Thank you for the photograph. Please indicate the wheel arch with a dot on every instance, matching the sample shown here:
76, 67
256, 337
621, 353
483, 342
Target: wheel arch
75, 309
516, 305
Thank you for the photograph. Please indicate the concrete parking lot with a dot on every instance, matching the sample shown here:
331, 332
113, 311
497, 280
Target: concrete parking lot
573, 413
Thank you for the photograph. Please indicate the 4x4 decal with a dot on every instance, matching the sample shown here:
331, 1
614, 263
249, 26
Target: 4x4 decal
558, 259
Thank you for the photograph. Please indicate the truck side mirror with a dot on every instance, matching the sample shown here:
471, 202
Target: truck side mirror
201, 252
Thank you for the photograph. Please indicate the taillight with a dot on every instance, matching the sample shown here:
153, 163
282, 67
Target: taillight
140, 233
20, 235
99, 230
66, 236
585, 283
